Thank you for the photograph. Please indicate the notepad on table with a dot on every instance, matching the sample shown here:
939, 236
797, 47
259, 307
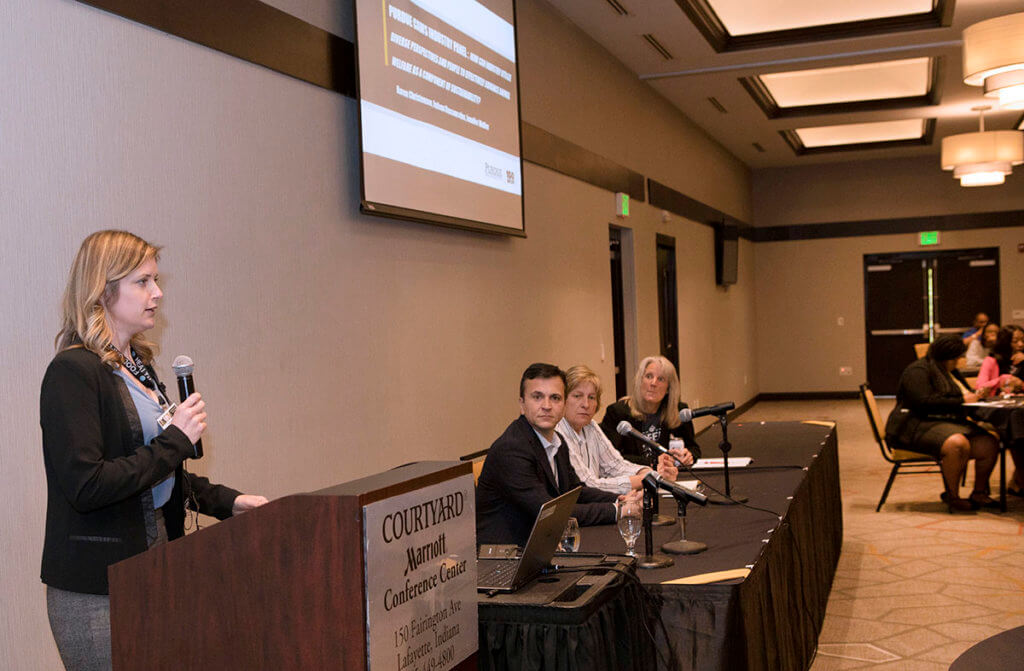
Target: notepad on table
719, 462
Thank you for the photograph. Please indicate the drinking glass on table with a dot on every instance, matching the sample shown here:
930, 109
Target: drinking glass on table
570, 537
630, 521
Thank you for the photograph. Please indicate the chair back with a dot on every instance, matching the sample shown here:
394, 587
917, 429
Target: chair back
875, 420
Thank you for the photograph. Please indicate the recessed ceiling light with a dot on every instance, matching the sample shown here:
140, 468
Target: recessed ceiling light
860, 133
871, 81
742, 17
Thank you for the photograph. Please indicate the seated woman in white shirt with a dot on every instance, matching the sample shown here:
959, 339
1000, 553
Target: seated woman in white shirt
596, 462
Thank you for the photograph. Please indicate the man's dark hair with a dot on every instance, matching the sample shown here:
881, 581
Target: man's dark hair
946, 348
540, 370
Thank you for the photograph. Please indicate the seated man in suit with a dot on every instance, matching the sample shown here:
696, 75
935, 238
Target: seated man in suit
528, 465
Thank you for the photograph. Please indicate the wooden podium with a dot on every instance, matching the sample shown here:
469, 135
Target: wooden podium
280, 587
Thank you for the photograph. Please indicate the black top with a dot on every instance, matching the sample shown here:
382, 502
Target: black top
926, 393
516, 481
99, 474
631, 447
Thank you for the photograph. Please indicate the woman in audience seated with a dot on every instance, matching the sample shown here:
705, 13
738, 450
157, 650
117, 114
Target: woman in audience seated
653, 410
1004, 368
596, 462
981, 347
929, 418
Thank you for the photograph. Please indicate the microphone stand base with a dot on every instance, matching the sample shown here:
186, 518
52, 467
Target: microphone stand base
660, 520
655, 560
720, 500
684, 547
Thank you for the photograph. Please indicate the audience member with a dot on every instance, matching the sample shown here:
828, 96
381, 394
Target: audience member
595, 460
929, 418
980, 347
1003, 369
528, 465
653, 410
972, 333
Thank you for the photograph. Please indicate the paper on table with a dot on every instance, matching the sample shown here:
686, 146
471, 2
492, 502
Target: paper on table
719, 462
705, 578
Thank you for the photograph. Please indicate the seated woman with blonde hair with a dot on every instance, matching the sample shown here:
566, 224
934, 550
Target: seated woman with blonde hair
653, 410
596, 462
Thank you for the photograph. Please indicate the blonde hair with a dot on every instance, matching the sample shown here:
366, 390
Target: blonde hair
577, 375
104, 258
669, 408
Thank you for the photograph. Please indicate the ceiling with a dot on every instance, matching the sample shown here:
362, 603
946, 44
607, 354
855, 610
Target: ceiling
718, 89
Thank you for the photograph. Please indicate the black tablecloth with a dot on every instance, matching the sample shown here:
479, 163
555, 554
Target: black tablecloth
771, 619
1008, 420
606, 633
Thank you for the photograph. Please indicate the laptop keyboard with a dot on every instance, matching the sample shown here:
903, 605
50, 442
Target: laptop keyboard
500, 575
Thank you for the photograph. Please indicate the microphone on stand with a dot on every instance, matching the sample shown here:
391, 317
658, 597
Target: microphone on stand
183, 367
676, 489
624, 428
687, 415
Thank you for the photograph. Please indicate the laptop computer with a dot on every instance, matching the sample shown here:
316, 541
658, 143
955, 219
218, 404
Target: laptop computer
508, 575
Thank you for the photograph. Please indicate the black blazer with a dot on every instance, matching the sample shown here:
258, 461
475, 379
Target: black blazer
925, 394
631, 447
516, 481
99, 473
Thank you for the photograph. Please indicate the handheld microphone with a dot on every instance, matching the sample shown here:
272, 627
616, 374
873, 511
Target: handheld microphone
184, 367
687, 415
675, 489
624, 428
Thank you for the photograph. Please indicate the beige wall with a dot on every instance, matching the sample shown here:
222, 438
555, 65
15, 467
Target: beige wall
804, 287
328, 345
873, 190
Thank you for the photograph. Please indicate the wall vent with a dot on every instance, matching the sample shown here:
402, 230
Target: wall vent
653, 41
617, 6
757, 146
717, 105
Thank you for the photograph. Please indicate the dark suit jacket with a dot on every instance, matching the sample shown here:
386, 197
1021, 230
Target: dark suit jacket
925, 395
630, 447
99, 474
516, 481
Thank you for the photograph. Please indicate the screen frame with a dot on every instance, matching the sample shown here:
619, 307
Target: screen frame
388, 211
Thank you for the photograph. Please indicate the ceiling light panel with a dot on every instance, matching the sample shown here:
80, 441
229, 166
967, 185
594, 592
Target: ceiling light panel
860, 133
850, 83
743, 17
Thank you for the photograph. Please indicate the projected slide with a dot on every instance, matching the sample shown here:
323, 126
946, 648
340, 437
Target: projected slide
439, 112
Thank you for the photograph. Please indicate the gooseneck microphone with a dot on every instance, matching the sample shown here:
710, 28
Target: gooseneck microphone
624, 428
687, 415
677, 490
183, 367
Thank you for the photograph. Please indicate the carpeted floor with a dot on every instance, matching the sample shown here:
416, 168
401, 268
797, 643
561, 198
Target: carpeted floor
915, 586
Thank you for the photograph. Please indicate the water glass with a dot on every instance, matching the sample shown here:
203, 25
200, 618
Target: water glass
570, 537
630, 521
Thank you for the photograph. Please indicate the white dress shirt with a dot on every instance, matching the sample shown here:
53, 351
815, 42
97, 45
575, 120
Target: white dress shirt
596, 461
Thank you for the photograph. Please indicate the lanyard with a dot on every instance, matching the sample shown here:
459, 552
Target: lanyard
136, 367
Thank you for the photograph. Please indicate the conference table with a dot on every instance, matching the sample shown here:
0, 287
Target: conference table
1007, 417
770, 616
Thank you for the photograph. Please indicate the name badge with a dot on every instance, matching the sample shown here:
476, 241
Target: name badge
164, 420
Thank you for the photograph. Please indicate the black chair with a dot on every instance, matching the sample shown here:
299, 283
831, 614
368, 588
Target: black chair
903, 461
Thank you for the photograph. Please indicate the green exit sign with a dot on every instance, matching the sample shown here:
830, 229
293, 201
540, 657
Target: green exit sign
929, 238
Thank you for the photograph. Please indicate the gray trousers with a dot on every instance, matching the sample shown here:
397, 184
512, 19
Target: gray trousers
81, 622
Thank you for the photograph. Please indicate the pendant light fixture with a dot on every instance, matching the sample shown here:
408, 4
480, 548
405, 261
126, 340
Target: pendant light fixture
993, 57
984, 158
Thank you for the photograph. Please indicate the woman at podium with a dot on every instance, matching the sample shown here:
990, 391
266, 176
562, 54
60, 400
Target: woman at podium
114, 445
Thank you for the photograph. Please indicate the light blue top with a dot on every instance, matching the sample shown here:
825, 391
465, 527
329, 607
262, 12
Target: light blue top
149, 410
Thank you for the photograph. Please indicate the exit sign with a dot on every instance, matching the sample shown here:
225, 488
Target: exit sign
929, 238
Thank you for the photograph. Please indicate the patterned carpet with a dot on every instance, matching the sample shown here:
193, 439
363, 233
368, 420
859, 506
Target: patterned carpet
915, 586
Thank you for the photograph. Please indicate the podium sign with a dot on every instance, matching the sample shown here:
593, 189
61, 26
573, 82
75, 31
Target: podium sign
420, 558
